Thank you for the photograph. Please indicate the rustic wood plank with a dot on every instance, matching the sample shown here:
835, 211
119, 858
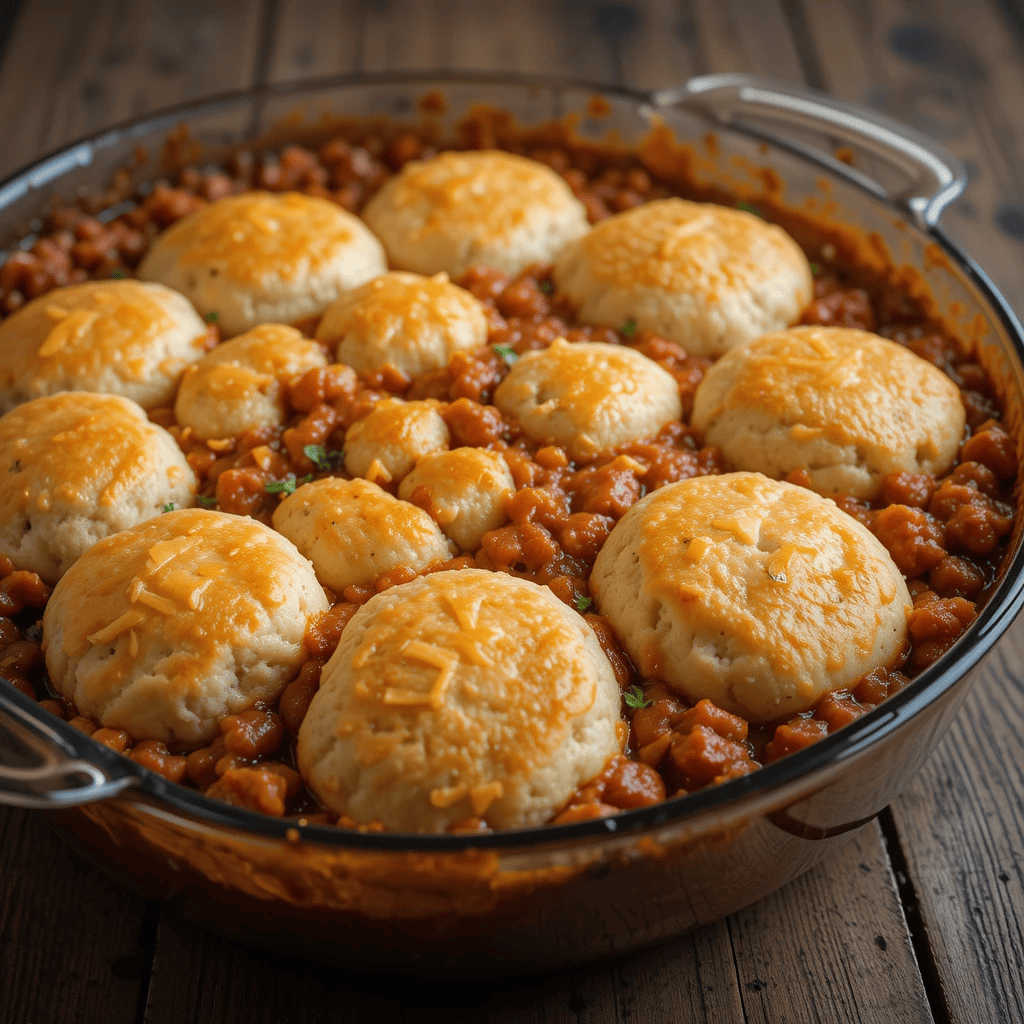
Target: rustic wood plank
401, 35
931, 67
961, 825
72, 69
69, 936
738, 36
832, 947
313, 38
201, 977
639, 45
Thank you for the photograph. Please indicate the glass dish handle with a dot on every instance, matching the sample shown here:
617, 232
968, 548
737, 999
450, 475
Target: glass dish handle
935, 177
41, 768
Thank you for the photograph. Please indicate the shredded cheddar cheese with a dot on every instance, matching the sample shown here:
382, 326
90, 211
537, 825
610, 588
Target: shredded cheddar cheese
481, 797
778, 564
262, 456
394, 695
157, 603
378, 472
128, 620
446, 661
466, 614
163, 551
697, 549
195, 598
744, 524
69, 329
445, 796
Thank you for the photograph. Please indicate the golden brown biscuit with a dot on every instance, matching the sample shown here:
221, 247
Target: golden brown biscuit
705, 276
353, 531
482, 208
407, 321
384, 444
78, 467
263, 257
588, 397
464, 491
846, 405
238, 386
167, 627
111, 337
761, 596
458, 694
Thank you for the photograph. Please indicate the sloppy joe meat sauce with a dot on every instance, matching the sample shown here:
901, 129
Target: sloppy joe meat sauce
948, 536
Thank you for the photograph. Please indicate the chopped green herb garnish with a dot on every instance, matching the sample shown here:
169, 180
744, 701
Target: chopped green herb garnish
322, 458
583, 603
634, 697
206, 499
211, 318
815, 268
628, 328
547, 287
286, 486
507, 352
748, 208
118, 274
169, 507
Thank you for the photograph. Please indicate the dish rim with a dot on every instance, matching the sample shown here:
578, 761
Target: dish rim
1004, 603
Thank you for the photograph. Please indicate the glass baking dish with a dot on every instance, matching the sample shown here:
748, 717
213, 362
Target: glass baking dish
556, 895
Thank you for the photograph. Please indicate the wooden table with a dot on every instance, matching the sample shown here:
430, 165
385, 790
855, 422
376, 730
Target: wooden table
920, 917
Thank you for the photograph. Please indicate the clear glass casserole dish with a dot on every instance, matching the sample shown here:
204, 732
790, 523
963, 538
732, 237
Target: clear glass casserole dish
562, 894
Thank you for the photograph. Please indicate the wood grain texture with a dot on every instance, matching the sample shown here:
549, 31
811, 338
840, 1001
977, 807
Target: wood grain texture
737, 36
201, 977
71, 69
832, 947
646, 46
311, 38
71, 939
961, 827
926, 64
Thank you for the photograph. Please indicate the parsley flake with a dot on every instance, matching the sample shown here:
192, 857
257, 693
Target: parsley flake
169, 507
206, 500
286, 486
815, 268
583, 603
507, 352
322, 458
117, 274
628, 328
748, 208
547, 287
634, 698
211, 318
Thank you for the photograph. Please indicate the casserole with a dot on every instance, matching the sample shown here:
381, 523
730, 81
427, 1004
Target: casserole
561, 894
